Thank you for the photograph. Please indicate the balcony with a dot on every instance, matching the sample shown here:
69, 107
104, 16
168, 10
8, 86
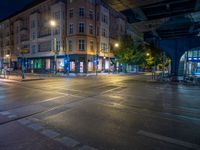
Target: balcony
23, 30
42, 35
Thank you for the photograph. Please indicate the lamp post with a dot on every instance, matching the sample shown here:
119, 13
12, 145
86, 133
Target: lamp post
97, 62
53, 24
116, 45
7, 57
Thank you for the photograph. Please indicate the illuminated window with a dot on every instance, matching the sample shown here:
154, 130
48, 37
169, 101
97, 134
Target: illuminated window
47, 63
99, 64
72, 66
90, 66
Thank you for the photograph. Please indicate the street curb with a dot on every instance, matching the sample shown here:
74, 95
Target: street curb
26, 80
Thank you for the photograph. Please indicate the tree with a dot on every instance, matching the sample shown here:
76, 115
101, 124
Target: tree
124, 52
144, 55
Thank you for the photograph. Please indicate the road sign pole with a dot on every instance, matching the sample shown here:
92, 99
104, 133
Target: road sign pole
22, 67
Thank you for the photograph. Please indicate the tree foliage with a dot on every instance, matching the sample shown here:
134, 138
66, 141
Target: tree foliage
129, 53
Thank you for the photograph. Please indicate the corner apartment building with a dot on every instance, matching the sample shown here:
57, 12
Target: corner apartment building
83, 37
6, 43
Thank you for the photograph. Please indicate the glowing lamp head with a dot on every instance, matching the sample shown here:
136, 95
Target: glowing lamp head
52, 23
116, 44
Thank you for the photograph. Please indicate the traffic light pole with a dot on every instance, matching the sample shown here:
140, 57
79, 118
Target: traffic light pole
97, 62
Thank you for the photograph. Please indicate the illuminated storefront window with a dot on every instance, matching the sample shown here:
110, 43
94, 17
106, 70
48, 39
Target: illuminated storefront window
106, 64
37, 64
190, 63
81, 67
47, 63
90, 66
100, 65
72, 66
60, 63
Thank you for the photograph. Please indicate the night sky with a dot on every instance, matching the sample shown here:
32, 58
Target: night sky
8, 7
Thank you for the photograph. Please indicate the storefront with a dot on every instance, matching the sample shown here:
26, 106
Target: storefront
75, 64
190, 63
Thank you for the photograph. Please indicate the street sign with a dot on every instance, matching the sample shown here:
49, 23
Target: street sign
24, 51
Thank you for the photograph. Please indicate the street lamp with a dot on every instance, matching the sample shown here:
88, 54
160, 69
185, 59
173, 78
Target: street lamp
116, 45
53, 24
147, 54
7, 57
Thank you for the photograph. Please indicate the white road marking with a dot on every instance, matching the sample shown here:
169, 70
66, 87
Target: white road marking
69, 95
24, 121
68, 141
5, 113
36, 127
86, 147
50, 133
50, 99
169, 140
111, 90
12, 116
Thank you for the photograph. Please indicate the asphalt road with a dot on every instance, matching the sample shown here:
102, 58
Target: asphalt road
105, 113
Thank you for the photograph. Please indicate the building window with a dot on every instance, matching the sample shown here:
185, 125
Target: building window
70, 45
90, 66
33, 24
81, 45
104, 19
33, 35
44, 46
91, 29
72, 65
103, 47
57, 31
71, 13
81, 27
81, 12
57, 45
91, 14
33, 49
71, 28
57, 15
91, 45
104, 32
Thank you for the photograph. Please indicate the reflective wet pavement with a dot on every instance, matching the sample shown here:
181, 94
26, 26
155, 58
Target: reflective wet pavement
111, 112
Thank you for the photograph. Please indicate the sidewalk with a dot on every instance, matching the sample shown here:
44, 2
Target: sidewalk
19, 78
16, 136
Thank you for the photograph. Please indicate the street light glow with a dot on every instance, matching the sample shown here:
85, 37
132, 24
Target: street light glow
7, 55
116, 44
147, 54
52, 23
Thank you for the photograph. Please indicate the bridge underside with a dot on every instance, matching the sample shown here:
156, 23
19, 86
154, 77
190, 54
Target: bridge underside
173, 26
